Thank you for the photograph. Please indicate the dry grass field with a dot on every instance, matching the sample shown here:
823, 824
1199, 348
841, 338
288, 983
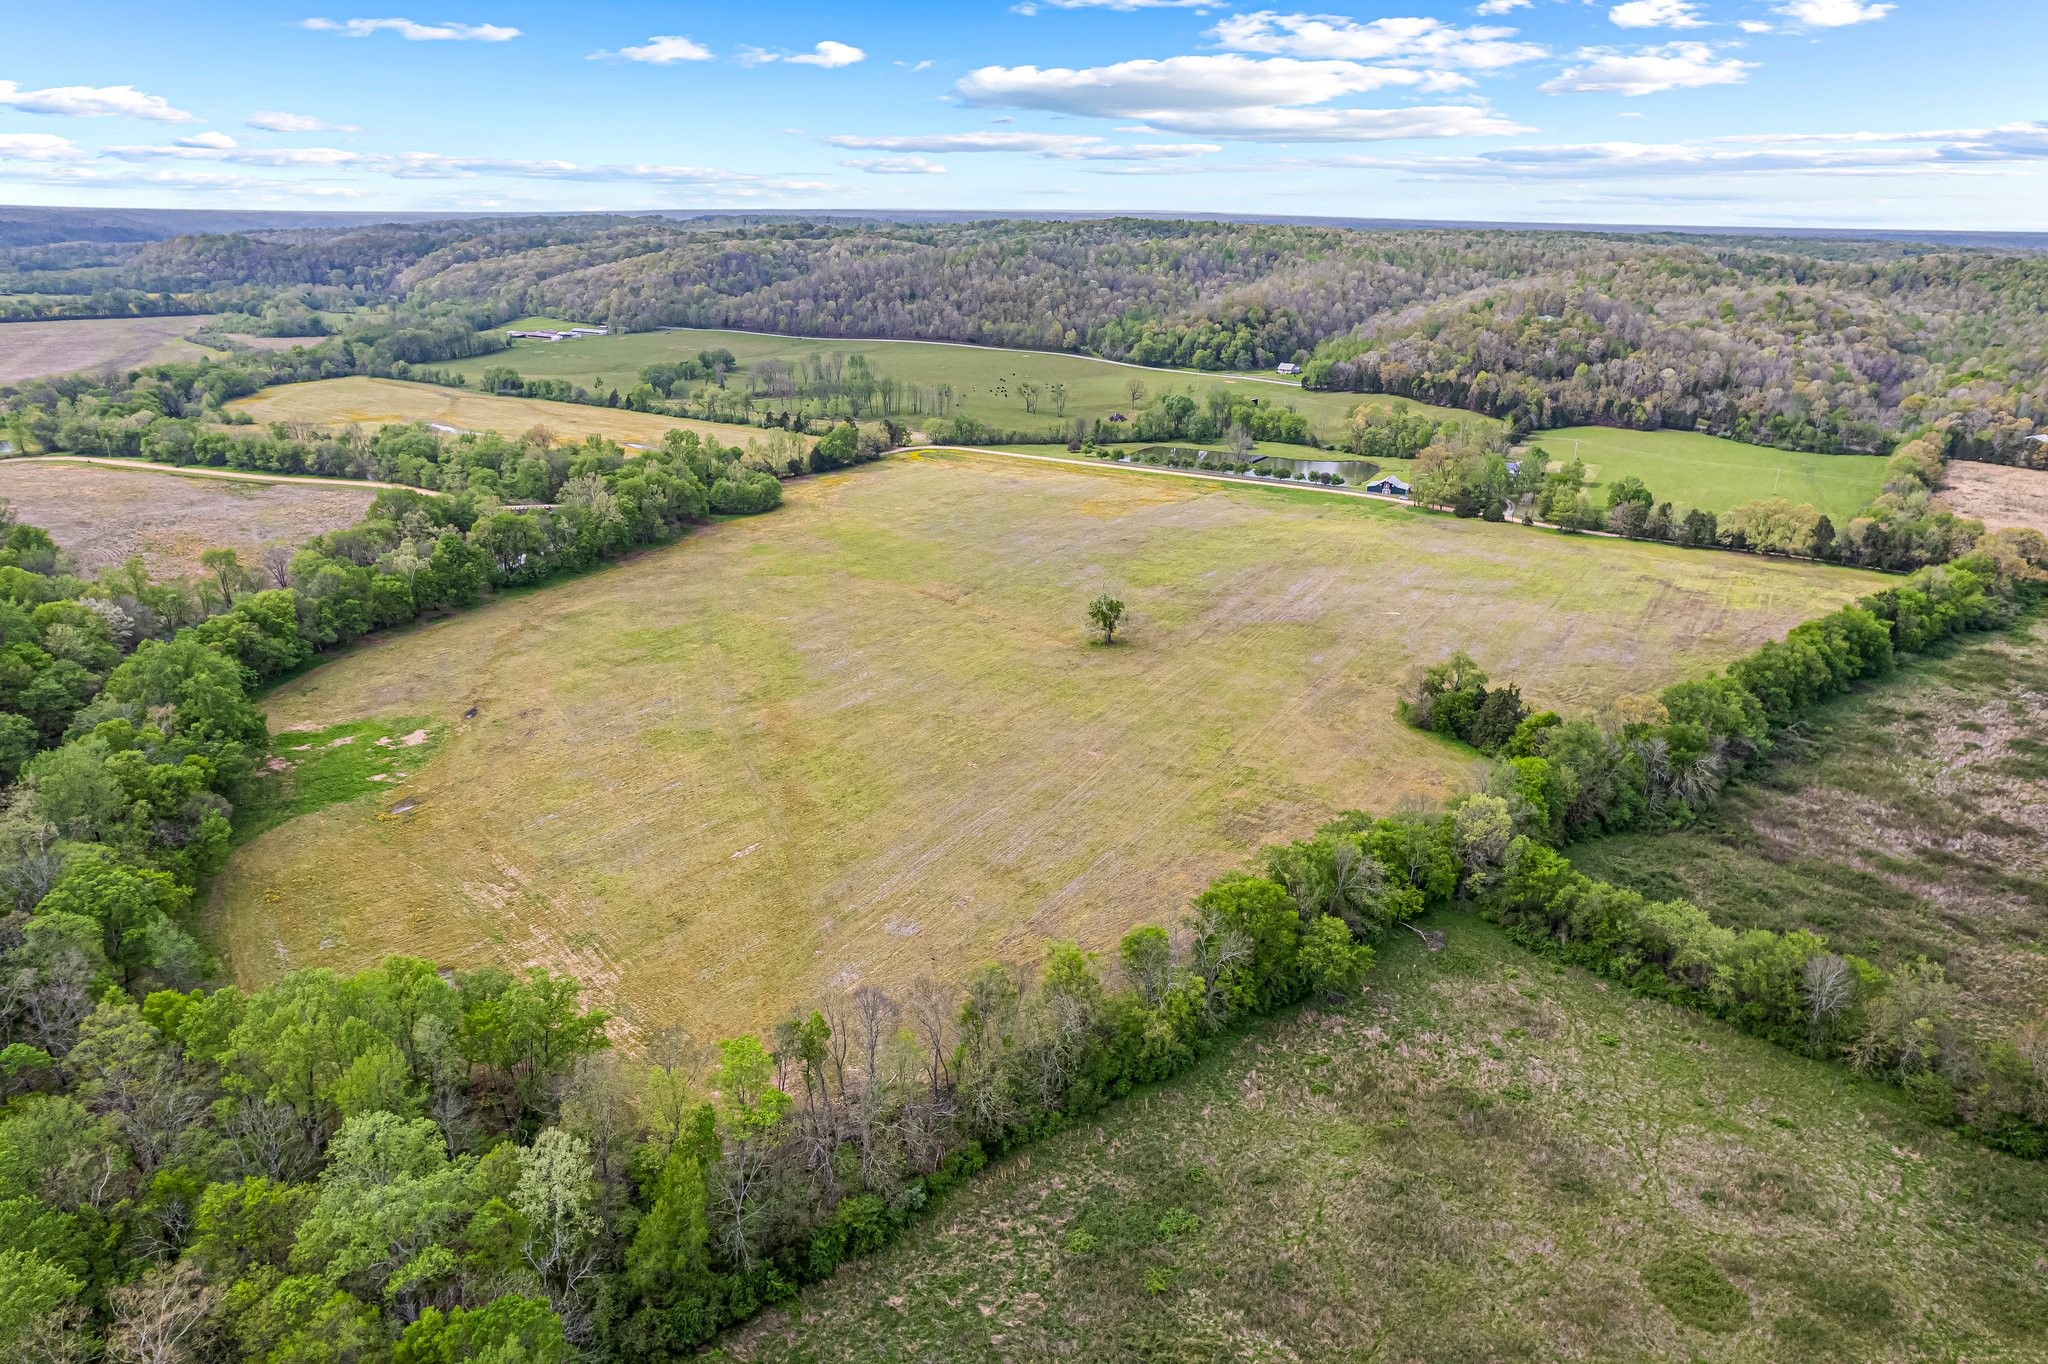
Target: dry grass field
867, 737
36, 350
361, 401
100, 516
1999, 495
1915, 826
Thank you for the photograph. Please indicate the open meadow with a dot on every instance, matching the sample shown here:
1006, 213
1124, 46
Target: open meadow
2000, 495
985, 380
37, 350
363, 401
1915, 826
868, 737
1486, 1157
100, 515
1708, 472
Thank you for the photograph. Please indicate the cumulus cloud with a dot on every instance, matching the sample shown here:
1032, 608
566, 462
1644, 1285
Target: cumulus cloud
1833, 13
1657, 14
1674, 66
210, 141
1490, 7
92, 101
827, 54
897, 165
37, 147
1232, 96
1429, 41
414, 32
659, 51
1153, 89
272, 121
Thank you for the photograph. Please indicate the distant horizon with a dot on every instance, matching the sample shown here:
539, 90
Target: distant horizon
253, 219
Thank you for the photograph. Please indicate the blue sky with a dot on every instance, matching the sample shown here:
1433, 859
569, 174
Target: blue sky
1882, 113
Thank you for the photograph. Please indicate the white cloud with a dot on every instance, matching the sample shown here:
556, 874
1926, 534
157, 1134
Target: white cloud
898, 165
1674, 66
443, 166
659, 51
1938, 152
1833, 13
274, 122
219, 142
830, 55
37, 147
1754, 26
1053, 146
1657, 14
1232, 96
414, 32
92, 101
826, 54
1501, 6
1148, 89
1380, 40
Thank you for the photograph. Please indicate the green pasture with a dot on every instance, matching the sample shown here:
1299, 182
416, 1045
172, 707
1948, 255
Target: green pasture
1485, 1157
985, 380
1692, 470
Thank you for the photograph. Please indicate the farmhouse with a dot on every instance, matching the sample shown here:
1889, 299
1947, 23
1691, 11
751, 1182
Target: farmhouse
1289, 367
1389, 484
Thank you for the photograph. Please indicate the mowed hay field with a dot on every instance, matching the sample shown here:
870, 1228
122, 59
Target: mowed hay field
1693, 470
1485, 1158
37, 350
1999, 495
363, 401
100, 515
867, 737
985, 380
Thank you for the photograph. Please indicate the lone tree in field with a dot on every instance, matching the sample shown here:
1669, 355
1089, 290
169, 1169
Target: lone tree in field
1106, 613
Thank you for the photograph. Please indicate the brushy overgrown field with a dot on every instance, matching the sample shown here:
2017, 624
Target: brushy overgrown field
100, 516
985, 381
363, 401
1914, 824
1485, 1157
1999, 495
36, 350
1692, 470
869, 738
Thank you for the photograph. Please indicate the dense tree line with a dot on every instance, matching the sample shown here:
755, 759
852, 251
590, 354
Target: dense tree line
1853, 347
1658, 762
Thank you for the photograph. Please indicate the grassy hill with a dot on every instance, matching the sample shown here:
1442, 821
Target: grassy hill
868, 737
1484, 1158
1693, 470
985, 380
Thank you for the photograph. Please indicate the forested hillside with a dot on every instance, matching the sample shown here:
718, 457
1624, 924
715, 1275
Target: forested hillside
1825, 346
